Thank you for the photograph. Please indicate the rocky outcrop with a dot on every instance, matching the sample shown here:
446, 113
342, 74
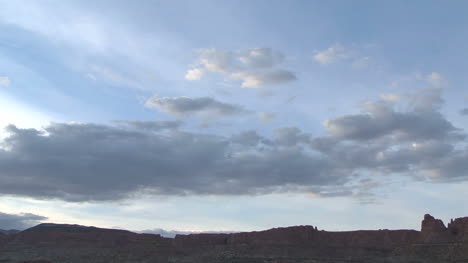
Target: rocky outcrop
276, 236
435, 243
431, 225
433, 230
459, 225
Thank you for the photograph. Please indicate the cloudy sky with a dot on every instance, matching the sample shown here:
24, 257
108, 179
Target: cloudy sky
233, 115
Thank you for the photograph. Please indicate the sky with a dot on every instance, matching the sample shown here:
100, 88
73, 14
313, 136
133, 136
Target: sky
233, 115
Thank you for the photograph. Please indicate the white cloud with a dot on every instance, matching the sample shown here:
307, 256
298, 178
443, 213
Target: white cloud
261, 57
4, 81
194, 74
255, 67
332, 54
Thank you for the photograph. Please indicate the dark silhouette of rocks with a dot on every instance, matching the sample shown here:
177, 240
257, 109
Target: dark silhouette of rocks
435, 243
11, 231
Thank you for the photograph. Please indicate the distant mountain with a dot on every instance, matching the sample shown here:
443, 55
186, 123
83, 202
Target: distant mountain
11, 231
435, 243
173, 233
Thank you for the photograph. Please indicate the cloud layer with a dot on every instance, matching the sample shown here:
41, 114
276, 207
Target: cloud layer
81, 162
78, 162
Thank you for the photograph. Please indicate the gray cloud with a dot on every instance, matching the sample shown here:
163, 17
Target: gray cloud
183, 106
152, 125
19, 221
419, 141
254, 67
464, 111
80, 162
258, 79
248, 138
291, 136
381, 119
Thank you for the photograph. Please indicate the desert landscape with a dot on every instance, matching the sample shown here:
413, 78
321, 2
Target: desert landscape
298, 244
233, 131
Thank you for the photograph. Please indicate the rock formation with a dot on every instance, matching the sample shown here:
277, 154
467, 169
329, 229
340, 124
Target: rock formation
435, 243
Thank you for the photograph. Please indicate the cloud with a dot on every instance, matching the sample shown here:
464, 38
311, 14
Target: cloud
254, 67
259, 79
261, 57
291, 136
382, 140
183, 106
436, 80
247, 138
216, 60
4, 81
82, 162
332, 54
267, 116
152, 125
380, 119
194, 74
464, 111
19, 221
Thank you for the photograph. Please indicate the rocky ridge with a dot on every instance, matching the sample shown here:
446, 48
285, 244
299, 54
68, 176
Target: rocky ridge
435, 243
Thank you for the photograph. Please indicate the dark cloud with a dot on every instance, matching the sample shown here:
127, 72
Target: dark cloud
19, 221
419, 141
78, 162
81, 162
381, 119
182, 106
247, 138
403, 126
291, 136
152, 125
